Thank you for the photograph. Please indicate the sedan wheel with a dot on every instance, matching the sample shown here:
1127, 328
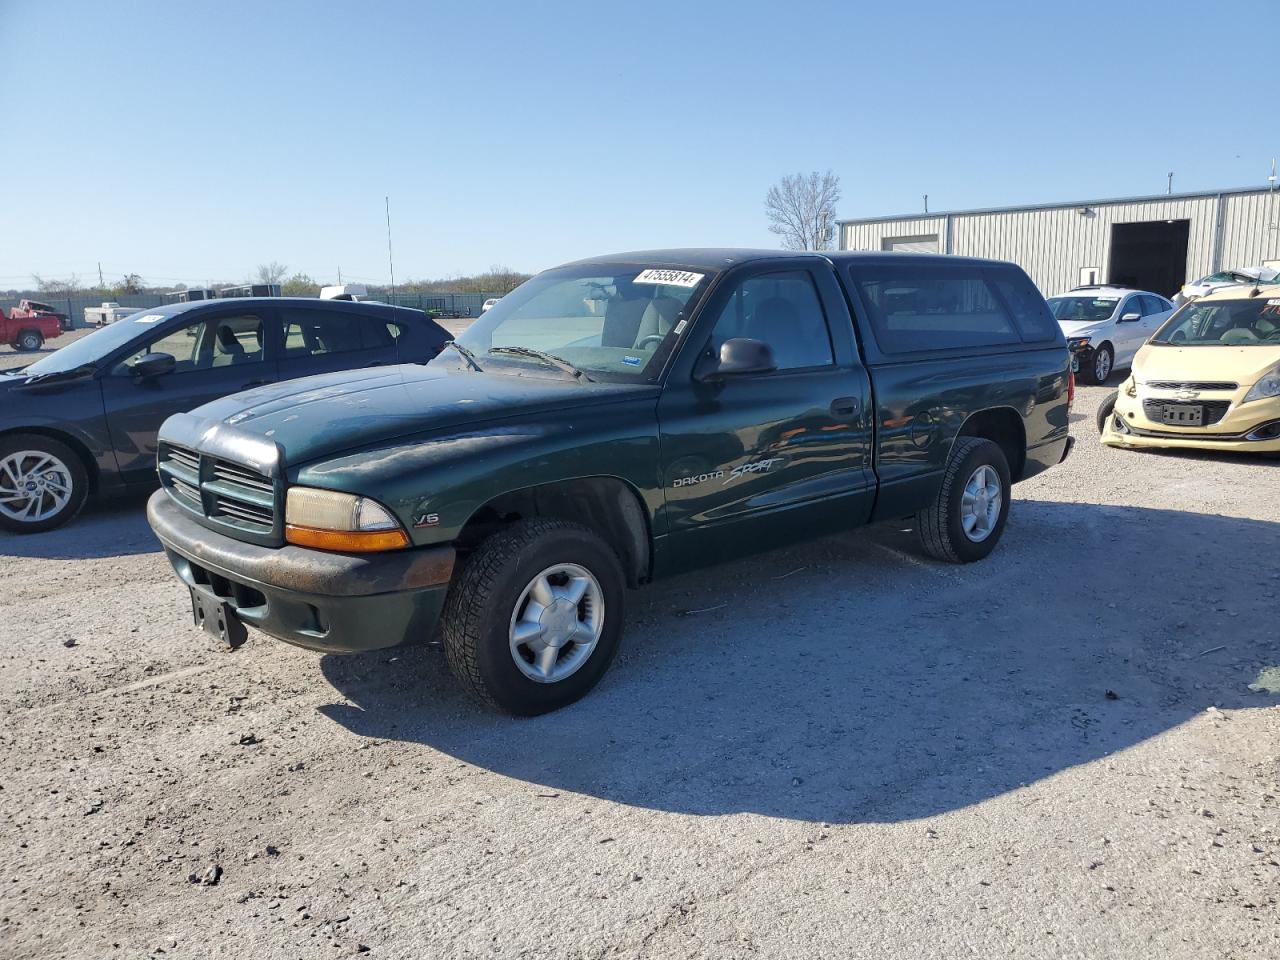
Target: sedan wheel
1102, 365
42, 484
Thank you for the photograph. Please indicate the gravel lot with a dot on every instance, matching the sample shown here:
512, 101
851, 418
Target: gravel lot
835, 750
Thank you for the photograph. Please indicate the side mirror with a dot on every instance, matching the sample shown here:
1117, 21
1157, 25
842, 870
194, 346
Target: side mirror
739, 356
153, 365
1131, 318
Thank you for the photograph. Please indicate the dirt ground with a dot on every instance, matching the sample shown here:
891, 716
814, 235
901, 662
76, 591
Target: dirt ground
1071, 749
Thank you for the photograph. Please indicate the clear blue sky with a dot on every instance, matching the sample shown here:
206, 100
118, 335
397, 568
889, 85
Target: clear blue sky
192, 141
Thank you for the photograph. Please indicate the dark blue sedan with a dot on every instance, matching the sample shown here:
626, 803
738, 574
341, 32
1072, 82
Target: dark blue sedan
84, 419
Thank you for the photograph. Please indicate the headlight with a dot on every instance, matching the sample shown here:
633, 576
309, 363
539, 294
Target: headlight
328, 520
1268, 386
1078, 343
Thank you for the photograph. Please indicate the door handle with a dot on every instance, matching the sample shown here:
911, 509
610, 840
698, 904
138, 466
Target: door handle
846, 406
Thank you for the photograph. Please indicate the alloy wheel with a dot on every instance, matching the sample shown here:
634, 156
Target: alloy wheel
34, 486
980, 504
556, 623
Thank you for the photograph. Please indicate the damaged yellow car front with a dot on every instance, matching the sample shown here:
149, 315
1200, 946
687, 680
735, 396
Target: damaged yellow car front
1209, 378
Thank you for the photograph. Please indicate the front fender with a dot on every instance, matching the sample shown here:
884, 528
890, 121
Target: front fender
434, 484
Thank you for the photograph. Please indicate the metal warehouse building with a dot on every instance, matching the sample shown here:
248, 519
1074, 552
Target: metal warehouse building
1154, 243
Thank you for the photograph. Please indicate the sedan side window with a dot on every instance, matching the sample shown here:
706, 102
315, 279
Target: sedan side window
205, 344
1153, 305
782, 310
311, 333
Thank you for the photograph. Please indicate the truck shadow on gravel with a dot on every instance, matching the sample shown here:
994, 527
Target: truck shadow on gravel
111, 528
850, 680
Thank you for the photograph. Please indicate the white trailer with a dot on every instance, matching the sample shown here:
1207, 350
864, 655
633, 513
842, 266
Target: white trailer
109, 312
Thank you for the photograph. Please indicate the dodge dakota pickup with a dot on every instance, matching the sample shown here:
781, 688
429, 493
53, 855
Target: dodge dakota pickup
608, 423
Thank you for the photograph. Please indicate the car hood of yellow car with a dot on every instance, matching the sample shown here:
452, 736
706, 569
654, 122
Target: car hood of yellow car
1242, 365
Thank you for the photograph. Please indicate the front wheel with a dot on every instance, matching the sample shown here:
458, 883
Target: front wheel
534, 616
30, 340
43, 483
1104, 360
1105, 409
966, 520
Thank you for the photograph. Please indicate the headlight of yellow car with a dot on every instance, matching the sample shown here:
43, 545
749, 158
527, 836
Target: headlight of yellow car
328, 520
1268, 386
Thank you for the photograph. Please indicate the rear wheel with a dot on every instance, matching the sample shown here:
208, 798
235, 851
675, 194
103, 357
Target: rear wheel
43, 483
534, 616
966, 520
30, 340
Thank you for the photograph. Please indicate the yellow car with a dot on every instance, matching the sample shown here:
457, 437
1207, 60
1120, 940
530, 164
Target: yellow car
1209, 378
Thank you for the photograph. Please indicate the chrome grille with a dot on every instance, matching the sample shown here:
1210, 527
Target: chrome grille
232, 494
1195, 385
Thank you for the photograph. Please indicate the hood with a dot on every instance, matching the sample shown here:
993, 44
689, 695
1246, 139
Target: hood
319, 416
1242, 365
1080, 328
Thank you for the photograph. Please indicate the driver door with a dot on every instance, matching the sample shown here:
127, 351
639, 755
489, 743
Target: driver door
756, 460
216, 355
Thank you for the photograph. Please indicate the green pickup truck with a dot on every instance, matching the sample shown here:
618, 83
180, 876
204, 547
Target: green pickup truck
610, 422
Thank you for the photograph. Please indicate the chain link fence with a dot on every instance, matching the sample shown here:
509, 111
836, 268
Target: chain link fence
442, 305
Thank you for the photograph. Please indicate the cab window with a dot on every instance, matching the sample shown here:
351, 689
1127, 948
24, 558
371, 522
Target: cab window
782, 310
914, 309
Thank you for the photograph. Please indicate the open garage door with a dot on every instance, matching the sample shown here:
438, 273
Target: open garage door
921, 243
1151, 255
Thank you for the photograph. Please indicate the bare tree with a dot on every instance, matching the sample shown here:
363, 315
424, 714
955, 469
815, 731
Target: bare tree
59, 287
270, 272
801, 210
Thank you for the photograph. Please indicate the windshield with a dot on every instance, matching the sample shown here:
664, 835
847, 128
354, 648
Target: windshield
613, 321
95, 346
1217, 323
1083, 308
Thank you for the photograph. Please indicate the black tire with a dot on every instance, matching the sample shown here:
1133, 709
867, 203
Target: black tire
483, 599
75, 473
1103, 356
1105, 409
30, 341
940, 525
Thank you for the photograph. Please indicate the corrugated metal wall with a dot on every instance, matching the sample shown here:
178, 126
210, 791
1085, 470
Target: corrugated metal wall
1054, 244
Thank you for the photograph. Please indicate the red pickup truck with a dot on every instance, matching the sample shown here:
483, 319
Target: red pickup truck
27, 326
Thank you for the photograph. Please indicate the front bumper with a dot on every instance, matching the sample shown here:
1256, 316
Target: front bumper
331, 602
1230, 434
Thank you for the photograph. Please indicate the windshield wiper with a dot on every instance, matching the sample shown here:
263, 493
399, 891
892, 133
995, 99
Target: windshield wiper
466, 355
72, 373
550, 358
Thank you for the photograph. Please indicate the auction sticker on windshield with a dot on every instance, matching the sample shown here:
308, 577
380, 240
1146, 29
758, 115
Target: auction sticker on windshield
149, 318
670, 278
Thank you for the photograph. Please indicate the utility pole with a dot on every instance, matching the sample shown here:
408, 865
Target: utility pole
101, 285
1170, 190
390, 262
926, 203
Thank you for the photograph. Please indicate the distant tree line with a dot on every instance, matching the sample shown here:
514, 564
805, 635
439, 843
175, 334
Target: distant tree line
497, 279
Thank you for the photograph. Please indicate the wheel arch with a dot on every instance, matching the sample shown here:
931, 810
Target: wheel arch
609, 505
1004, 427
78, 446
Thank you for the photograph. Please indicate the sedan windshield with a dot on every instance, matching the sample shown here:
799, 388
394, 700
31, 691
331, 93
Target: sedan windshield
1216, 323
608, 321
1083, 308
92, 348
